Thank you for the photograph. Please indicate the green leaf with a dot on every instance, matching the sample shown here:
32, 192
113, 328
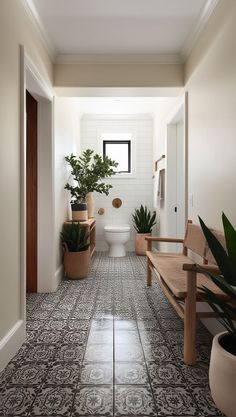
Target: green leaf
221, 308
143, 220
223, 285
220, 255
226, 281
88, 171
75, 237
230, 238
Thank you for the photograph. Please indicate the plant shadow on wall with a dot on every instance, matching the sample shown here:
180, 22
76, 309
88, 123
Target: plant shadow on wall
143, 221
88, 171
222, 373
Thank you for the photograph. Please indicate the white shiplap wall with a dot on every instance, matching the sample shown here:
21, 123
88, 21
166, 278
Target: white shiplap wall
133, 191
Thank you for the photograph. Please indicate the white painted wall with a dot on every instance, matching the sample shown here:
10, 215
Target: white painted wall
119, 75
211, 85
67, 141
15, 29
210, 74
132, 191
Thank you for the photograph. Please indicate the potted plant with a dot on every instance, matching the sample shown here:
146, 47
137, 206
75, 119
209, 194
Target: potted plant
75, 243
222, 372
88, 171
143, 221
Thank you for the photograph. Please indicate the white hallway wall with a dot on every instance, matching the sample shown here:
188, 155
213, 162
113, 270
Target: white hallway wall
66, 142
211, 86
15, 29
132, 191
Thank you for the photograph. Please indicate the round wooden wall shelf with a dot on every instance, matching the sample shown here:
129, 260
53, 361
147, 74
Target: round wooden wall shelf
116, 202
101, 211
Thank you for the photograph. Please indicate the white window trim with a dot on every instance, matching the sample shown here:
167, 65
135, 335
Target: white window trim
119, 130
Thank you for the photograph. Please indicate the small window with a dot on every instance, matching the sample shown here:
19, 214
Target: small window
120, 151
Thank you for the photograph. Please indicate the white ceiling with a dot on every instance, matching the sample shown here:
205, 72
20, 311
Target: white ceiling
116, 106
125, 30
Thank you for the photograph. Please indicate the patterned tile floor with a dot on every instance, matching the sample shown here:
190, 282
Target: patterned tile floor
106, 346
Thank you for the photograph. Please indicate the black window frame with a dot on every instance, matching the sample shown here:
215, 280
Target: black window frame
126, 142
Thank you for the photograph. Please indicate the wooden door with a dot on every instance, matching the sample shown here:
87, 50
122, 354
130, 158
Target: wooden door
31, 192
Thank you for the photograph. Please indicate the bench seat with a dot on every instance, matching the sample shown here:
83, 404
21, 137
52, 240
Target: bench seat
181, 279
170, 268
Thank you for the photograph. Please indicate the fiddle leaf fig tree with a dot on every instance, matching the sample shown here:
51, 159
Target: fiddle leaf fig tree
88, 171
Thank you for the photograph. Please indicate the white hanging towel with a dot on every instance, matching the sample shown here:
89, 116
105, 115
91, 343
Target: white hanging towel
161, 188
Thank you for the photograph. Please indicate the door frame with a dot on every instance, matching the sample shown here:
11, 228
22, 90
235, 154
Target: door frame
32, 193
181, 108
32, 80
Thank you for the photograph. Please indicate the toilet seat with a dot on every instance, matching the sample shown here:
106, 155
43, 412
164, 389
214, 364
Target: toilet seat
117, 229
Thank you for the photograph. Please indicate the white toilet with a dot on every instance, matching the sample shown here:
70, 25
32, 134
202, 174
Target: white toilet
116, 237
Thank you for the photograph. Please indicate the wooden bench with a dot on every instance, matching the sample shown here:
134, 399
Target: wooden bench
180, 279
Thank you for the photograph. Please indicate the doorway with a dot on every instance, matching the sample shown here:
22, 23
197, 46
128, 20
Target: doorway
43, 208
31, 193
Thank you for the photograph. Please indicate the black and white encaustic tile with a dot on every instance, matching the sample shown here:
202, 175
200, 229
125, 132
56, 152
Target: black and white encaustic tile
103, 346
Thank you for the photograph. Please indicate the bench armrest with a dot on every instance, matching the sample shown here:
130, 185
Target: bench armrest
164, 239
201, 268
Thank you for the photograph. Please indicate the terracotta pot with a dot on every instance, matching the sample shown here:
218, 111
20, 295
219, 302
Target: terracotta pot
79, 211
141, 243
90, 205
76, 264
222, 376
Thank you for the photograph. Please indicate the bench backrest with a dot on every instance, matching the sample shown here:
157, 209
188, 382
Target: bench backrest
208, 254
194, 240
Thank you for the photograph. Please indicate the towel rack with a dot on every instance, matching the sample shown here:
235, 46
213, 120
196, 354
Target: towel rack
158, 160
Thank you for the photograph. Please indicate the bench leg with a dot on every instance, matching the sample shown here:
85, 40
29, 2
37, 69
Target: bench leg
149, 273
190, 320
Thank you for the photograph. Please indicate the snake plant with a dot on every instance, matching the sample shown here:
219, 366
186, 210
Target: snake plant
74, 237
226, 280
144, 220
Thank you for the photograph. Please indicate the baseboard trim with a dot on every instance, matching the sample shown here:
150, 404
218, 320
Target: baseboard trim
57, 278
11, 343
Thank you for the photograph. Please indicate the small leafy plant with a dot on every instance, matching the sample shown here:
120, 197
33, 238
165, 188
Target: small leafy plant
226, 280
144, 220
74, 237
88, 171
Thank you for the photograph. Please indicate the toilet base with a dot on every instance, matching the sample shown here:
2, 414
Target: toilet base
117, 251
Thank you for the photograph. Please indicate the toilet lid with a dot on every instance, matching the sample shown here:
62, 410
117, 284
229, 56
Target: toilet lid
117, 229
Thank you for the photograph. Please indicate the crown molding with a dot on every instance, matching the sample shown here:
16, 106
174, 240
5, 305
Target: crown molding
115, 116
35, 80
118, 59
176, 58
118, 91
205, 15
37, 22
